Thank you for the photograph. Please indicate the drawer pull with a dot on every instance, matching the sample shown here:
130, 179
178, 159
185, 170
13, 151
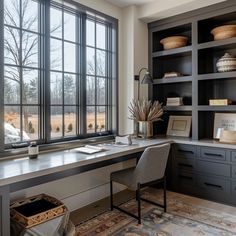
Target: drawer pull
185, 177
185, 151
213, 154
213, 185
185, 165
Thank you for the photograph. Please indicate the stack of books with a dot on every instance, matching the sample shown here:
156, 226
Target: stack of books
177, 101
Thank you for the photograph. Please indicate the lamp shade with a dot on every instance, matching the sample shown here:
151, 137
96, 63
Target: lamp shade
147, 79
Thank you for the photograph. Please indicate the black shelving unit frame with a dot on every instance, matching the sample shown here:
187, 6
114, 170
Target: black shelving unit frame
197, 61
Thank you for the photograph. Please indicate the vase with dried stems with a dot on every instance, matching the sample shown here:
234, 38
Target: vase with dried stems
145, 112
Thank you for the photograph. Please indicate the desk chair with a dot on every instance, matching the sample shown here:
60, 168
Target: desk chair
149, 170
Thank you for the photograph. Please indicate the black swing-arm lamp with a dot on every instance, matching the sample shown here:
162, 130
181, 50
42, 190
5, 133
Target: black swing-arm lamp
147, 79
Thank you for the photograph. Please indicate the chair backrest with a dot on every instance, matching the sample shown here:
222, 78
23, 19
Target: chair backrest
152, 164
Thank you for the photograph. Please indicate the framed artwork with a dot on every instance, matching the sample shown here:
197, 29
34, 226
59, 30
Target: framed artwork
226, 121
179, 126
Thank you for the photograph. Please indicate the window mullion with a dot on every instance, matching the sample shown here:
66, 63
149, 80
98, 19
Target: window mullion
1, 76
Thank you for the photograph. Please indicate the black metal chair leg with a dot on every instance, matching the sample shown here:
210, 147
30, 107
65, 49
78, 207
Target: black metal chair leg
164, 193
111, 196
139, 203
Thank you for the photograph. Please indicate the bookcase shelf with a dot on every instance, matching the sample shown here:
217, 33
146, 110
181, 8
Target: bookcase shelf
197, 62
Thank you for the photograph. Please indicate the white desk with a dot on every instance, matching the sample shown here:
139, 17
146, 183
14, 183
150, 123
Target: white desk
24, 173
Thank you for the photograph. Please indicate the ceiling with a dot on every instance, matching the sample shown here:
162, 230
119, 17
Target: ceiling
125, 3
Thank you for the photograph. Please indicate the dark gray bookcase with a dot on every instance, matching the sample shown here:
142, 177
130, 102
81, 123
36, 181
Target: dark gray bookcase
197, 62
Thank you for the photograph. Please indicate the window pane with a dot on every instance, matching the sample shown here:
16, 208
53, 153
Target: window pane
90, 90
12, 12
70, 89
101, 63
90, 119
56, 88
70, 120
69, 57
101, 36
56, 121
30, 87
11, 85
101, 91
30, 122
30, 52
69, 27
30, 15
101, 119
90, 33
12, 132
11, 46
56, 22
90, 61
56, 54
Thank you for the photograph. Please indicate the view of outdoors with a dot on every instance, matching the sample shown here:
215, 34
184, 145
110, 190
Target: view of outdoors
23, 81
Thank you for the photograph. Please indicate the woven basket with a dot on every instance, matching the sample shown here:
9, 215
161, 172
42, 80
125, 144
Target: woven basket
29, 212
174, 42
228, 136
224, 32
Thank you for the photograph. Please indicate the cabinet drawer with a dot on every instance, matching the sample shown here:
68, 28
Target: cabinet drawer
213, 186
185, 151
213, 154
233, 156
184, 179
213, 168
233, 168
184, 164
234, 188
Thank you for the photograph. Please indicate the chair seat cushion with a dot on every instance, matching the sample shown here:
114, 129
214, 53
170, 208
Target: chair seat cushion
125, 177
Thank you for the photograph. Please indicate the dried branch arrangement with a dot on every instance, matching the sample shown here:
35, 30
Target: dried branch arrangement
145, 110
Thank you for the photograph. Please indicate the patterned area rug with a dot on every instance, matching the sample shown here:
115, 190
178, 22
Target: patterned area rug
182, 219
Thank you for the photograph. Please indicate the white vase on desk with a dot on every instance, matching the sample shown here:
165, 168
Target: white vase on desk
145, 129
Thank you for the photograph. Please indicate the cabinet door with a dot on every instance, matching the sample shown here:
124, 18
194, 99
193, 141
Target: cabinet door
233, 156
213, 168
185, 151
212, 186
234, 188
233, 168
215, 154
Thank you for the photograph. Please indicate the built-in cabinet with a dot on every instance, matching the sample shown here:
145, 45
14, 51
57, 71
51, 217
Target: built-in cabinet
196, 61
206, 172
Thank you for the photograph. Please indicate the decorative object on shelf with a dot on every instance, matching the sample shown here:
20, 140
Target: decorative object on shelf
174, 42
227, 121
228, 136
218, 132
172, 74
224, 32
145, 113
121, 140
179, 126
33, 150
147, 79
220, 102
177, 101
226, 63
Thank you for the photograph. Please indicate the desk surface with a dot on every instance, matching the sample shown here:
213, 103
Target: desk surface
16, 170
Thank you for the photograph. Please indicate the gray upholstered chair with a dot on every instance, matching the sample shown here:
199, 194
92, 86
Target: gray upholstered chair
149, 170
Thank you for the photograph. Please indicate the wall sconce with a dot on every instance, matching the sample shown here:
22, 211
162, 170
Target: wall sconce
147, 79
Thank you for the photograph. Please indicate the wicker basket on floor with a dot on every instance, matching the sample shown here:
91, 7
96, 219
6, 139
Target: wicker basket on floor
36, 210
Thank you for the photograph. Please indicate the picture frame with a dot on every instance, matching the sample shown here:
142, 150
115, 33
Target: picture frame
179, 126
226, 121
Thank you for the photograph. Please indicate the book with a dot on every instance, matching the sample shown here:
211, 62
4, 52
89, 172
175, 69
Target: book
176, 101
220, 102
89, 149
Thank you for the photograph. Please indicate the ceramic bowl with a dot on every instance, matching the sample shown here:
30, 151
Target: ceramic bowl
224, 32
174, 42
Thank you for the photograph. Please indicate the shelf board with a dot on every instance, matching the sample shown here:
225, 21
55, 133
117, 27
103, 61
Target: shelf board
217, 108
224, 43
177, 108
179, 79
172, 51
219, 75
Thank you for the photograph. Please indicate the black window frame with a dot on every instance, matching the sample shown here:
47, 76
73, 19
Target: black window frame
112, 67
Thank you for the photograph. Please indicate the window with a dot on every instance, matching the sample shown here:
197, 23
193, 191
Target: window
59, 72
